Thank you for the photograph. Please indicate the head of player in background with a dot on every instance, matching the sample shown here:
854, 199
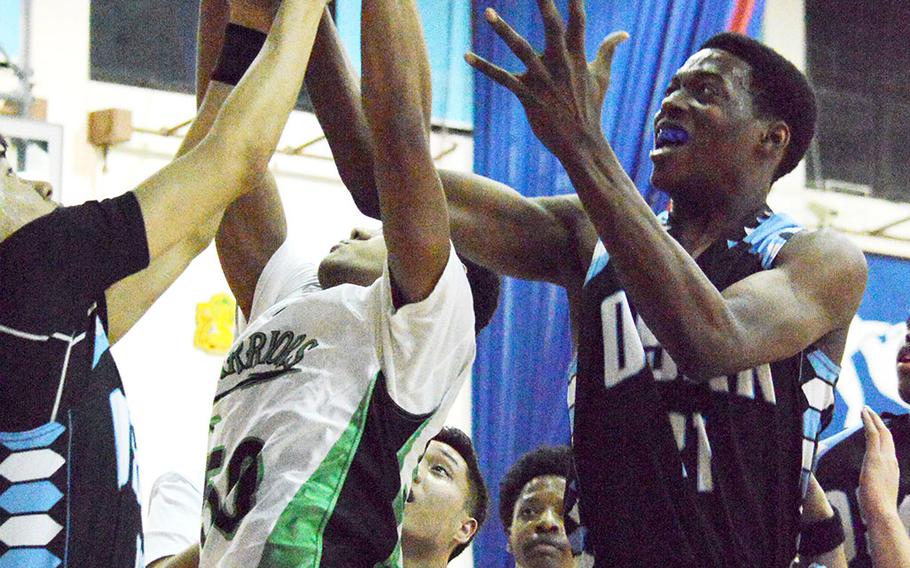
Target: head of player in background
903, 366
531, 508
21, 201
735, 117
361, 259
447, 503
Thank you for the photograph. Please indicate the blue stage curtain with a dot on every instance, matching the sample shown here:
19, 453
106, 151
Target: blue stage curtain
519, 383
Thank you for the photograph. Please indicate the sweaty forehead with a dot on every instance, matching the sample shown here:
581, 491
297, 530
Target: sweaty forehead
718, 62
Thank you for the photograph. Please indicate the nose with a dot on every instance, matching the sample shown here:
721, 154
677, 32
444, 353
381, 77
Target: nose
548, 522
43, 188
671, 105
360, 233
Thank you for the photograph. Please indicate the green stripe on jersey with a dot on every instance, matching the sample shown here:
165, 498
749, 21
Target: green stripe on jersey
394, 559
297, 537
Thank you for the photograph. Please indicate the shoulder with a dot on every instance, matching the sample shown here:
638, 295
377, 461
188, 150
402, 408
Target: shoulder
830, 264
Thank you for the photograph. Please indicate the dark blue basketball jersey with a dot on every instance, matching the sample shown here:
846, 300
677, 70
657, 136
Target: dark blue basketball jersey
68, 478
670, 472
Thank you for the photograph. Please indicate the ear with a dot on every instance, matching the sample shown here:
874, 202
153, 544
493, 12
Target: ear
466, 531
775, 138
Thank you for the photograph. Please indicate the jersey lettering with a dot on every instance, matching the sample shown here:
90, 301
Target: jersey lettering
624, 356
244, 473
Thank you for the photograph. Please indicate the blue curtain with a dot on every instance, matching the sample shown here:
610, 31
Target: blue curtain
520, 375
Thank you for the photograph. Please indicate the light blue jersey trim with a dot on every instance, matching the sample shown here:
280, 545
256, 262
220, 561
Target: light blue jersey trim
770, 236
40, 437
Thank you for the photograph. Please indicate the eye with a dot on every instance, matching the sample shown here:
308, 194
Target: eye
526, 512
440, 469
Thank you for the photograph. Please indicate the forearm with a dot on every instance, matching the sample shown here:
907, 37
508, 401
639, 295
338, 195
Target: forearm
413, 206
693, 322
889, 544
335, 93
255, 113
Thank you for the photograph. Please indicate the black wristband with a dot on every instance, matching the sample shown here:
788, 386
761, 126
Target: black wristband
821, 536
241, 46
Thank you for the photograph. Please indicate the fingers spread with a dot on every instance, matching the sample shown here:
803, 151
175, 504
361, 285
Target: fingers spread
552, 22
519, 45
575, 33
496, 73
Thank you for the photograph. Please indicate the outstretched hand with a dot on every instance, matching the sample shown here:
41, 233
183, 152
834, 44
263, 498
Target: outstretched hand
562, 93
880, 475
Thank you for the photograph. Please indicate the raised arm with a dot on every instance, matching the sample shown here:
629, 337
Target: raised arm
247, 250
253, 226
812, 293
186, 193
889, 545
396, 101
546, 239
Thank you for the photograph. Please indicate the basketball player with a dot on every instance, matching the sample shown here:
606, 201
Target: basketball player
67, 464
531, 508
346, 370
446, 507
708, 339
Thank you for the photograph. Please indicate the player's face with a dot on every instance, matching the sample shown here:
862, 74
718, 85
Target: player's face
705, 133
537, 538
22, 198
435, 512
358, 259
903, 366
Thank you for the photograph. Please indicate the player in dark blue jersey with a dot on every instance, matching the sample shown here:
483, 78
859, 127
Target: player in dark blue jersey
840, 465
709, 339
73, 280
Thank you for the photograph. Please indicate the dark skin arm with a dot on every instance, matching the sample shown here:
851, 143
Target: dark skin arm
397, 103
810, 295
545, 239
253, 226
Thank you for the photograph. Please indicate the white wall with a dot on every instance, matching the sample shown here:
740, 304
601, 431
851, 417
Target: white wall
169, 383
857, 217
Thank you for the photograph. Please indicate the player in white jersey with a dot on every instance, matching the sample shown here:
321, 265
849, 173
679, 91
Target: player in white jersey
346, 370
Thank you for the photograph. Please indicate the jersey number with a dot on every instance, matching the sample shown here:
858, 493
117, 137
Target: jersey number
244, 473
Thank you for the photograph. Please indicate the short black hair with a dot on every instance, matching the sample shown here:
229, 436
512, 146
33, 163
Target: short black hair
478, 498
485, 286
545, 460
779, 91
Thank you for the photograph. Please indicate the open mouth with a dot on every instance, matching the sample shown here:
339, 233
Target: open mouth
903, 356
669, 135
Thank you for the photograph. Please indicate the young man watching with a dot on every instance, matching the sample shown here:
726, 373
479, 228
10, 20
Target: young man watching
73, 280
531, 508
343, 373
445, 508
708, 340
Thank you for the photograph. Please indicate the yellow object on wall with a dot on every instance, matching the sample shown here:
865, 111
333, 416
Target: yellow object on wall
215, 324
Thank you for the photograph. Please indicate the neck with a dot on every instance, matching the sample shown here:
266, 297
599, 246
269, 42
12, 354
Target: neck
428, 561
696, 224
15, 214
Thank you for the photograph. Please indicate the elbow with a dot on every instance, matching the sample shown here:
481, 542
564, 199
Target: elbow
706, 352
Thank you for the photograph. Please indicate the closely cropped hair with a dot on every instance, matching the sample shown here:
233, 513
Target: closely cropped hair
545, 460
478, 498
779, 91
485, 290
